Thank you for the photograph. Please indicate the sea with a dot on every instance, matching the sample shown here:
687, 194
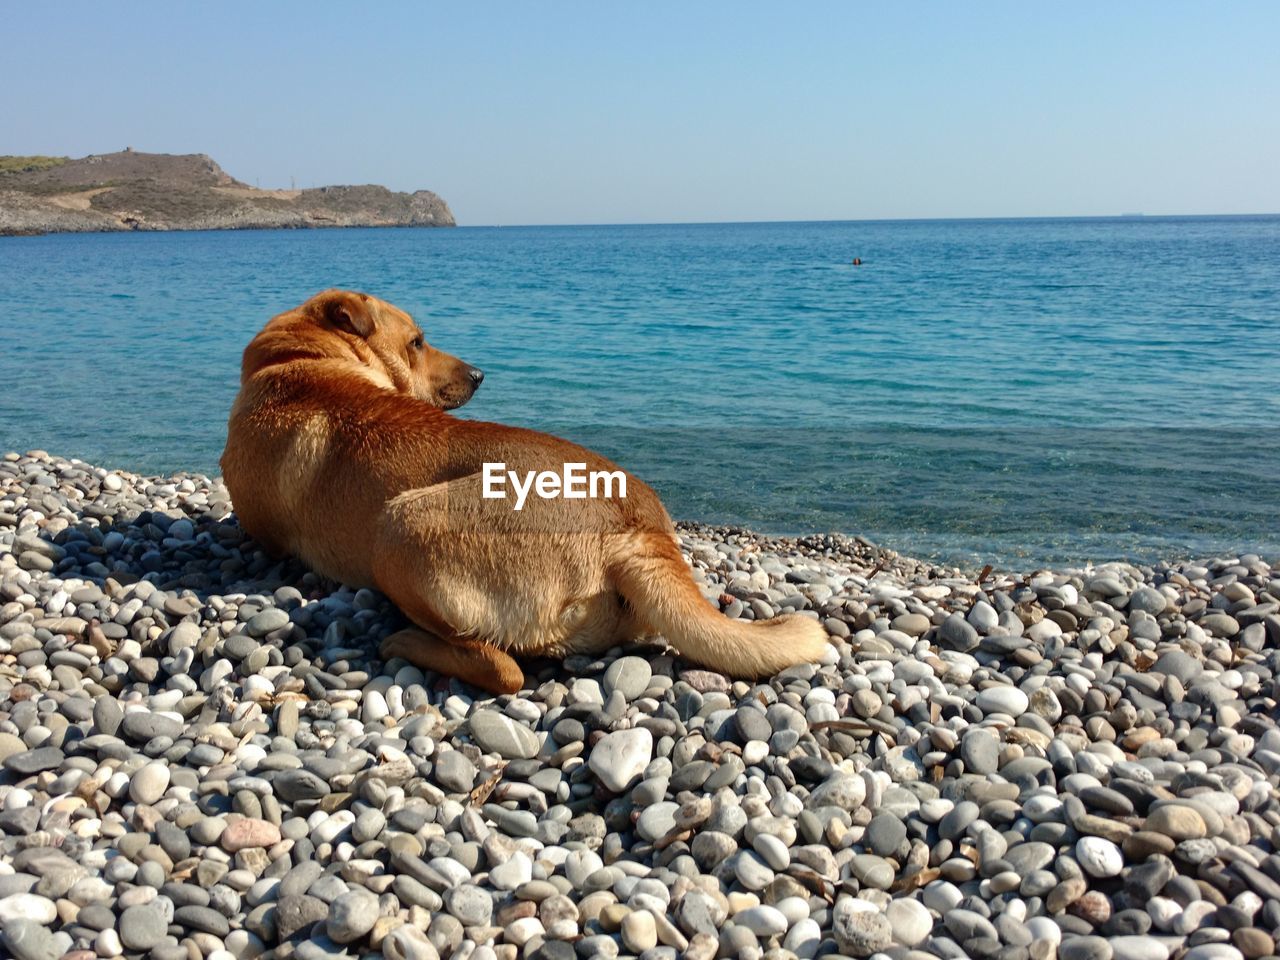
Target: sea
1015, 392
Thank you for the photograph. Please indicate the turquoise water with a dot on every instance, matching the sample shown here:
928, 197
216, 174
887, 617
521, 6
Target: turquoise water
1007, 391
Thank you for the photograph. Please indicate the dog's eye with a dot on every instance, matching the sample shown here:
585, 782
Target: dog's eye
416, 342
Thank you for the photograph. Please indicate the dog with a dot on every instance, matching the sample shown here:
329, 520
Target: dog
341, 452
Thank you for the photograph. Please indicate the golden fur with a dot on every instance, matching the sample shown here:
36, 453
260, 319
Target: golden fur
340, 452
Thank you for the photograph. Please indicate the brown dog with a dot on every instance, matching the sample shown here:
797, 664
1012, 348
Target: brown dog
340, 452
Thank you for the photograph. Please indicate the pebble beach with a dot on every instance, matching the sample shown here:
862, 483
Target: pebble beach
203, 756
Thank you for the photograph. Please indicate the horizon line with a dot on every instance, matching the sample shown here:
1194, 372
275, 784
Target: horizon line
970, 219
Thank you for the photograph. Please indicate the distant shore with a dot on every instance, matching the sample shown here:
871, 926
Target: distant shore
127, 191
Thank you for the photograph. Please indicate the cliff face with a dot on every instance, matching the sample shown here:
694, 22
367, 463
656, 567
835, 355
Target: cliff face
157, 191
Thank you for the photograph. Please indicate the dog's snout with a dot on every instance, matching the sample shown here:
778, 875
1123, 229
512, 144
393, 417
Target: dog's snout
476, 375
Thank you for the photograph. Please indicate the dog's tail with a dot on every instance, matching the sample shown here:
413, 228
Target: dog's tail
653, 578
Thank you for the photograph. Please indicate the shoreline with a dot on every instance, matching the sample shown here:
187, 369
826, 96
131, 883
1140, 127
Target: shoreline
201, 749
848, 547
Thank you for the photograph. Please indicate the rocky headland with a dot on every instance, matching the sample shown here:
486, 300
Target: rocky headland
153, 191
202, 754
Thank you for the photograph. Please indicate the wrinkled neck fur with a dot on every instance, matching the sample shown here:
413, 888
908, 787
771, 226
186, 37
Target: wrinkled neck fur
275, 349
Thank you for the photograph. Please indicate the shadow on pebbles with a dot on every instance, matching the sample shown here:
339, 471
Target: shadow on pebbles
203, 756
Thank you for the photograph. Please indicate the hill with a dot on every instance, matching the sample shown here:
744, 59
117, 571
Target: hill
158, 191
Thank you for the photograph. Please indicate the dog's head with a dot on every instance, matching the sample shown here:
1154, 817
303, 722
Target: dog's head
391, 344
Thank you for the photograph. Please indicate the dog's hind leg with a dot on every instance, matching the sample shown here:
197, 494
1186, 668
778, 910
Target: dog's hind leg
470, 660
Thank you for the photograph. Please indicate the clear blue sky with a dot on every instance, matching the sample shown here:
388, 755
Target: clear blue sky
601, 112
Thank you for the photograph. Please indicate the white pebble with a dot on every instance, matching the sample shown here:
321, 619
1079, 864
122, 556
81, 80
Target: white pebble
1099, 857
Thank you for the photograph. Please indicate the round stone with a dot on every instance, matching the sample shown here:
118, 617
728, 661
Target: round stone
968, 925
980, 751
142, 927
1148, 600
752, 724
1099, 857
454, 772
620, 757
839, 790
1253, 942
469, 904
983, 617
27, 906
956, 633
298, 913
405, 942
296, 786
1177, 821
1002, 699
351, 916
511, 874
639, 931
268, 621
495, 732
148, 784
248, 832
11, 745
183, 636
751, 870
1177, 663
29, 940
910, 920
859, 927
202, 919
1220, 624
872, 871
763, 921
30, 762
1084, 948
519, 932
912, 624
1131, 947
629, 676
657, 820
772, 850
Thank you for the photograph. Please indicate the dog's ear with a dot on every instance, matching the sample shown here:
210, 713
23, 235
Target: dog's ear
348, 311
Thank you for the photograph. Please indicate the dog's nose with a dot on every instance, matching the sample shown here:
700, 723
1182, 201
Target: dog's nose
476, 375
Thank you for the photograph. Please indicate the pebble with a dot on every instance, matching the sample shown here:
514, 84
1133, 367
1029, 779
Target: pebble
619, 758
351, 916
469, 904
980, 751
1137, 948
1085, 948
455, 772
149, 783
628, 676
29, 940
860, 928
957, 633
204, 755
1177, 821
248, 832
639, 931
497, 733
910, 921
1099, 857
142, 927
27, 906
1002, 699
